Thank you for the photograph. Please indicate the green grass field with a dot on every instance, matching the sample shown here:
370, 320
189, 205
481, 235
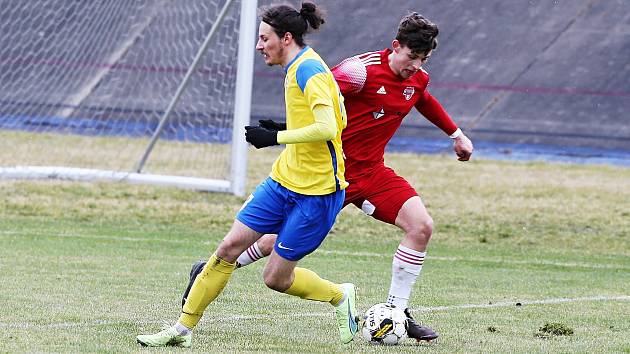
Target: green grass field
87, 267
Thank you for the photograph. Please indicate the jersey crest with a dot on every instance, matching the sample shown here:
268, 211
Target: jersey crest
408, 92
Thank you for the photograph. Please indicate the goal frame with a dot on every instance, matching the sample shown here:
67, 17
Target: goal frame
242, 110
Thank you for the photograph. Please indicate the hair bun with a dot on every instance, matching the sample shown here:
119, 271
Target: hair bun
307, 8
312, 14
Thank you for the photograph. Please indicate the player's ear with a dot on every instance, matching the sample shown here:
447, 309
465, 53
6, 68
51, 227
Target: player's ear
396, 45
287, 38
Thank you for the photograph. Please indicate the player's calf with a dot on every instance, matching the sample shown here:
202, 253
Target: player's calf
262, 248
196, 269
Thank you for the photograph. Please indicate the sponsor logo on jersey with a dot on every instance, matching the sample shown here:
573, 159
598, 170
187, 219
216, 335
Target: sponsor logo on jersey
382, 91
408, 92
379, 114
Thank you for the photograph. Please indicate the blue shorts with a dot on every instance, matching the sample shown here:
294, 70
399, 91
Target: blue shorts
301, 221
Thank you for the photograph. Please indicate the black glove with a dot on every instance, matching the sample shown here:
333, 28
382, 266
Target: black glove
261, 137
271, 125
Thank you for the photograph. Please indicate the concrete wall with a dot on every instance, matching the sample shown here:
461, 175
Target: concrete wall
550, 72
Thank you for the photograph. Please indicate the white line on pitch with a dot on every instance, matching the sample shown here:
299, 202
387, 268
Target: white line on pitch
339, 252
482, 260
321, 314
522, 303
94, 237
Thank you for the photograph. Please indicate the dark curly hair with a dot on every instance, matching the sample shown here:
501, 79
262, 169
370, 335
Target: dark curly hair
417, 33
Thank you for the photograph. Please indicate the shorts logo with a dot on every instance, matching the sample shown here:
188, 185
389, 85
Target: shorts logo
408, 92
280, 246
249, 199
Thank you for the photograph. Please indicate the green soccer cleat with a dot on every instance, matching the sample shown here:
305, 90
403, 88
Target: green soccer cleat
168, 337
346, 312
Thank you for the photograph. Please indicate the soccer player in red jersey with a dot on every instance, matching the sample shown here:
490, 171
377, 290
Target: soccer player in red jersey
380, 89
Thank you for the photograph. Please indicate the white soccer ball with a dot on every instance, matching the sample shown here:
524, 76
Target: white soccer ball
384, 324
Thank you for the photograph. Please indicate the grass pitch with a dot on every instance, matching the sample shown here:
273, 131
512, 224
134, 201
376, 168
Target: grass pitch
518, 248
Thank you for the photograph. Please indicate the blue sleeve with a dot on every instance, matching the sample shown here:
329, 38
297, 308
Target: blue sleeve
307, 69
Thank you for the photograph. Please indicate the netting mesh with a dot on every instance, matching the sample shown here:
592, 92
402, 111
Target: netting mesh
84, 84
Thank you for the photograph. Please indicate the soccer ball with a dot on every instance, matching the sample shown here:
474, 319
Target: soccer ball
384, 324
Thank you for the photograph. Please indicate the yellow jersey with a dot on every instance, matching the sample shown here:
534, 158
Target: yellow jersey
311, 168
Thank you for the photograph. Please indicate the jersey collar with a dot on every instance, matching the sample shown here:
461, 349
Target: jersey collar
286, 68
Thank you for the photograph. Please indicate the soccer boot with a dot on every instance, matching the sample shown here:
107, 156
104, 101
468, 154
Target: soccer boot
346, 312
168, 337
417, 331
196, 269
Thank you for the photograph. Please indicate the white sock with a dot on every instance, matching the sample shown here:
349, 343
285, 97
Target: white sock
181, 329
343, 298
406, 268
251, 255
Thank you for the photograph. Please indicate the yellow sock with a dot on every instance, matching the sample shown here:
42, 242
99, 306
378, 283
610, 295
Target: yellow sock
308, 285
208, 285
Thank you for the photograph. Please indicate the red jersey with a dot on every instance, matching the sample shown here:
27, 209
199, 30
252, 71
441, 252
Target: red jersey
376, 101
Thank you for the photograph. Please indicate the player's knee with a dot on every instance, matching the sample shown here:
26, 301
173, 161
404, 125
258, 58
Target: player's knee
265, 244
422, 228
426, 226
274, 282
228, 250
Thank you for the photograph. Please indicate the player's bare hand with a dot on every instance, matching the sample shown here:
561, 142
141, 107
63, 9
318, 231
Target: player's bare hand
463, 147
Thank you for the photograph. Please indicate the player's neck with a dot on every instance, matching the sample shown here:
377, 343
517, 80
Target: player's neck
389, 63
290, 53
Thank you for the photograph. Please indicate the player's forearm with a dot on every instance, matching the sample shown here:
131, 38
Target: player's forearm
323, 129
432, 110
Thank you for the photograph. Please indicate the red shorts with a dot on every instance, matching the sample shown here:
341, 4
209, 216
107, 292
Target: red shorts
380, 193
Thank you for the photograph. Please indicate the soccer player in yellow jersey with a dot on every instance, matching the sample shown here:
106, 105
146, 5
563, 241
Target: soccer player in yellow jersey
301, 198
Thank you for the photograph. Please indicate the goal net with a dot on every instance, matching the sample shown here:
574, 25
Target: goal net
144, 91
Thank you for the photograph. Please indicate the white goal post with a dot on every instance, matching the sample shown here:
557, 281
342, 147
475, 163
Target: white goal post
143, 91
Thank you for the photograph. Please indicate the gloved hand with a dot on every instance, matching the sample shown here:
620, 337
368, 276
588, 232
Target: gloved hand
261, 137
271, 125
